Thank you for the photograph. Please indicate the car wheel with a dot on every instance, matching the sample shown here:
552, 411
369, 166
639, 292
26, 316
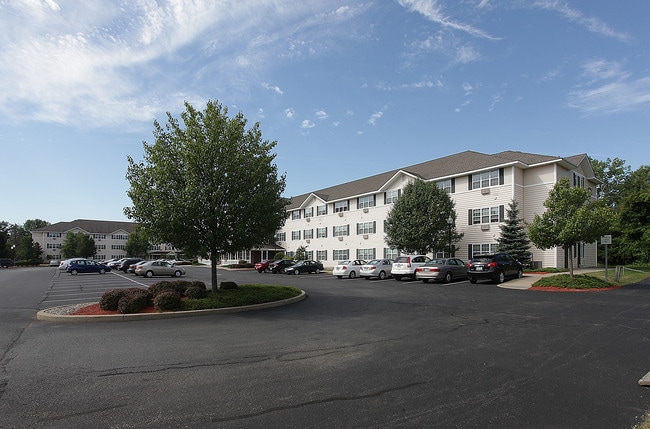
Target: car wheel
74, 272
382, 275
177, 273
448, 278
520, 273
501, 278
148, 274
472, 280
296, 272
353, 274
317, 271
102, 271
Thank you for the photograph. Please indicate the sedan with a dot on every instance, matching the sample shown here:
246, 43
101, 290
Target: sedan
348, 268
263, 267
86, 266
446, 269
158, 268
380, 268
304, 267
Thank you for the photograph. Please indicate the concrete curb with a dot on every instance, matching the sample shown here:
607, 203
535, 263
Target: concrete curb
49, 316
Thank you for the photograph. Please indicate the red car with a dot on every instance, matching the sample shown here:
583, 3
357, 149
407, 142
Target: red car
263, 267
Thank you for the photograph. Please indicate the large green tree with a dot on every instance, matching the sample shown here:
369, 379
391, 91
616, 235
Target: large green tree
78, 245
208, 185
418, 221
514, 237
138, 243
613, 174
571, 216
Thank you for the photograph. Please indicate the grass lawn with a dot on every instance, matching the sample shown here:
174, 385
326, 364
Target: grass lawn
244, 295
596, 279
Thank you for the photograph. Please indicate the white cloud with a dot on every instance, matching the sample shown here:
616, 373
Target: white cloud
275, 89
321, 115
375, 117
307, 124
289, 113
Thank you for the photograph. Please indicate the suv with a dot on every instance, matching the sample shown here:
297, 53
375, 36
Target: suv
496, 267
404, 266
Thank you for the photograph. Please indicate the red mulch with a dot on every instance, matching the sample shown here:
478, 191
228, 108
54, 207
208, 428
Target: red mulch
565, 289
94, 310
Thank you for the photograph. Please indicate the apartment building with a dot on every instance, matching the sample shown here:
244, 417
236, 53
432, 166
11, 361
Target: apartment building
346, 221
110, 239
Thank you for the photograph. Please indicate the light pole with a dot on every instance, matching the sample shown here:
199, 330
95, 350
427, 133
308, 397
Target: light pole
450, 222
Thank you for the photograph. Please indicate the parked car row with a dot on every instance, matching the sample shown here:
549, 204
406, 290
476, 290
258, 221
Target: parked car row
137, 266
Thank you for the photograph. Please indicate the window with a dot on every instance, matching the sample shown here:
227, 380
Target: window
53, 245
340, 230
309, 254
119, 237
321, 232
295, 235
281, 236
321, 210
486, 179
391, 197
366, 228
295, 215
309, 212
341, 206
308, 234
54, 234
100, 247
486, 215
118, 247
366, 254
578, 180
367, 201
99, 236
321, 255
447, 185
341, 255
390, 253
481, 249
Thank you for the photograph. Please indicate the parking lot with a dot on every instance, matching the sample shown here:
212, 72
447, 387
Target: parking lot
355, 353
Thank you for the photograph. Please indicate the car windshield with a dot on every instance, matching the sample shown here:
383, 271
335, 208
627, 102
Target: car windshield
345, 262
374, 262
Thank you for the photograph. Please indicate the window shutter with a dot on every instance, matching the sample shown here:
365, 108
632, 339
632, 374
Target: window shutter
501, 213
469, 216
374, 226
453, 185
501, 176
469, 182
469, 251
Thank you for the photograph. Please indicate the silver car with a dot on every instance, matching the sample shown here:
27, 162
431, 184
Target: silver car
158, 268
348, 268
444, 269
380, 268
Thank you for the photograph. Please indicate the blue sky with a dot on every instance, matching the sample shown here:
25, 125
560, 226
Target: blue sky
347, 88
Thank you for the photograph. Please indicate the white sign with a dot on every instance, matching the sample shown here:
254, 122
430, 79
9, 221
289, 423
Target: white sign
606, 239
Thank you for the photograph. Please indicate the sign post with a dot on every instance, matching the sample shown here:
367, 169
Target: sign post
606, 240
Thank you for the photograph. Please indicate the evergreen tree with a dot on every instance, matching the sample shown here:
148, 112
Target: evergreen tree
514, 238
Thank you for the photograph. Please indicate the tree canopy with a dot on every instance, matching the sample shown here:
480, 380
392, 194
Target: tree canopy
571, 216
207, 185
78, 245
418, 223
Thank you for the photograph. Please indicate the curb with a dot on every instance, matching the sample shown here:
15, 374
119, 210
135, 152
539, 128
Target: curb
46, 316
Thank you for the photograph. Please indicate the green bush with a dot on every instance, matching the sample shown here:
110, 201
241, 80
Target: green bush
142, 297
199, 284
194, 292
110, 299
167, 301
128, 305
180, 286
228, 285
162, 286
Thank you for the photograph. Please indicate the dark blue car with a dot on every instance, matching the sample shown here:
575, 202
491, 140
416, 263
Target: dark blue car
86, 266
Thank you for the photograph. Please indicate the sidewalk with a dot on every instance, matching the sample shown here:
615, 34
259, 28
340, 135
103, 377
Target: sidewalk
529, 278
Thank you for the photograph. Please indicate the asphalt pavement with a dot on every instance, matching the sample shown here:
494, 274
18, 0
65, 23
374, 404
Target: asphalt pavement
355, 354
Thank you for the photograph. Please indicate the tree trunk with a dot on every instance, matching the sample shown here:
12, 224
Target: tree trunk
214, 257
571, 261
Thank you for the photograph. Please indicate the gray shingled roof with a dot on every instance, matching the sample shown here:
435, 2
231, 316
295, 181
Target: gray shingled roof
448, 166
91, 226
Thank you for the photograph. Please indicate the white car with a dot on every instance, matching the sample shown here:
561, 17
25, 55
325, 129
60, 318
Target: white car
405, 266
380, 268
348, 268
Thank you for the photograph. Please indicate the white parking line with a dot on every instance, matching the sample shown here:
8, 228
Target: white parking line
130, 279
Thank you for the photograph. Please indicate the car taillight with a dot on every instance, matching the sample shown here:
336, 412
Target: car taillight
492, 264
435, 269
344, 267
418, 269
372, 267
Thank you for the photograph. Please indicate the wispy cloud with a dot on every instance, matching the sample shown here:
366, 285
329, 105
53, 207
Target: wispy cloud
375, 117
273, 88
307, 124
289, 113
321, 115
591, 23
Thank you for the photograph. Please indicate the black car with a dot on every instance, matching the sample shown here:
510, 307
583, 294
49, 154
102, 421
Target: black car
280, 265
304, 267
6, 263
496, 267
124, 265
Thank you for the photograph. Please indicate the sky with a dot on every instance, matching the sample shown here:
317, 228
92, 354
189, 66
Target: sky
347, 89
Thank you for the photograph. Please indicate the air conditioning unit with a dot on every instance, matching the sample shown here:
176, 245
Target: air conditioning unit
485, 227
340, 238
365, 236
308, 219
340, 214
485, 191
365, 209
308, 241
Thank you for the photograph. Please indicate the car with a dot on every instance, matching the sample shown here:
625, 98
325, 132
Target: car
6, 263
280, 265
348, 268
158, 268
404, 266
380, 268
63, 266
263, 267
126, 263
443, 269
496, 267
86, 266
131, 269
115, 263
305, 266
54, 263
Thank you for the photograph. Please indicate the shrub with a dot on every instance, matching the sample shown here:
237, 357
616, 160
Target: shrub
159, 287
128, 305
142, 297
167, 300
110, 299
194, 292
228, 285
199, 284
180, 286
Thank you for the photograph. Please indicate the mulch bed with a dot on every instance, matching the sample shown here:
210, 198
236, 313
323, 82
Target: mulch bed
94, 310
